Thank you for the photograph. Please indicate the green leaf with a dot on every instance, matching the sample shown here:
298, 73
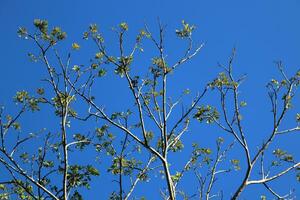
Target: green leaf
75, 46
2, 187
22, 32
149, 135
123, 26
101, 72
48, 163
21, 96
185, 31
298, 177
236, 164
187, 91
42, 25
93, 28
298, 117
16, 126
207, 114
263, 197
76, 196
40, 91
176, 177
243, 103
99, 55
93, 171
274, 81
76, 68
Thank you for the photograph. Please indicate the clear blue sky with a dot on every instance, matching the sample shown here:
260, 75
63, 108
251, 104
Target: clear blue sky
262, 31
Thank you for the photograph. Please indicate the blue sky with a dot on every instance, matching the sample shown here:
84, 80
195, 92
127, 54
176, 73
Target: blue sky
262, 31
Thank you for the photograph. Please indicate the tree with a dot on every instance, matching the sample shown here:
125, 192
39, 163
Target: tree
139, 142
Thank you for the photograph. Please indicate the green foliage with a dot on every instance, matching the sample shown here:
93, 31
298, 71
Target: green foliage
121, 115
160, 63
105, 140
101, 72
200, 156
75, 46
274, 82
298, 174
93, 33
92, 171
28, 101
283, 155
16, 126
177, 146
80, 176
32, 57
142, 34
185, 31
21, 96
220, 141
94, 65
123, 26
207, 114
48, 164
102, 130
4, 196
143, 176
76, 68
263, 197
243, 103
176, 177
42, 25
52, 37
93, 28
22, 32
161, 67
19, 190
40, 91
236, 164
76, 196
298, 117
24, 157
187, 91
2, 187
114, 196
63, 100
223, 81
149, 135
99, 55
123, 165
124, 63
58, 33
81, 140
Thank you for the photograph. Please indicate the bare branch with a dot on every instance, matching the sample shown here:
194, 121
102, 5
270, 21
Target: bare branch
265, 180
